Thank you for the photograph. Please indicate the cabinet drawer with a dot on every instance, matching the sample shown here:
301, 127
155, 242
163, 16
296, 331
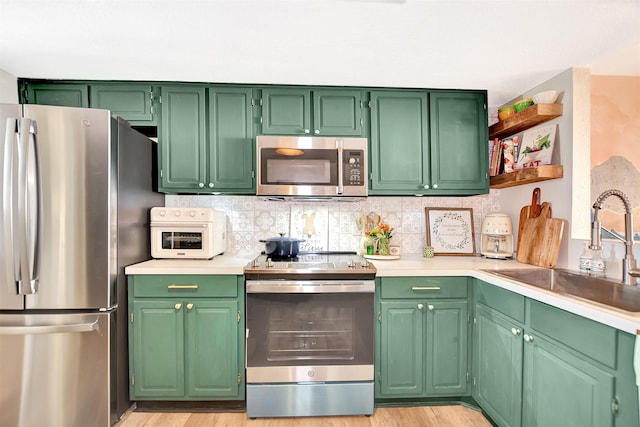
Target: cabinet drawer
424, 287
506, 302
184, 285
590, 338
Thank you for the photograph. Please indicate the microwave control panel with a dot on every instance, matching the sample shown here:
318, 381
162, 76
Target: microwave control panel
353, 166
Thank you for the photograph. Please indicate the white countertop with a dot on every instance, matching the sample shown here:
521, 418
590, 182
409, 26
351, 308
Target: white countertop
416, 265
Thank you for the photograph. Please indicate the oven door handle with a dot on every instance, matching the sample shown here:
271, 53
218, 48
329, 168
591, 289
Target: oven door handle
179, 225
309, 286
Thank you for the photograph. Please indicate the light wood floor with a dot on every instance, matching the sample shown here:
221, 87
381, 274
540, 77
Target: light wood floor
423, 416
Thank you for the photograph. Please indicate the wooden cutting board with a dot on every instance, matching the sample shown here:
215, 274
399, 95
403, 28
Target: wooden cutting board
541, 237
530, 211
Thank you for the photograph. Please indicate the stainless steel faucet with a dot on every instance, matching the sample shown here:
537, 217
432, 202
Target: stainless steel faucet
629, 271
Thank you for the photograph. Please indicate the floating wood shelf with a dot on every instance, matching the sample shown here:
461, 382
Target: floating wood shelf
532, 116
526, 176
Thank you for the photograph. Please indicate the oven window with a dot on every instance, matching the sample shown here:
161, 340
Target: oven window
181, 240
313, 167
303, 329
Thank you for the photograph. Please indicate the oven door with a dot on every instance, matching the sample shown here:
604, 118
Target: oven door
181, 240
309, 331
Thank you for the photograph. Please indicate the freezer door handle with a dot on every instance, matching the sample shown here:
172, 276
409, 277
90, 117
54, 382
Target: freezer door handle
28, 208
49, 329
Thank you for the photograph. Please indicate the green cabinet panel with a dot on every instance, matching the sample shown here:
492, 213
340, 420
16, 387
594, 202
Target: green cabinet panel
306, 111
286, 111
399, 142
561, 389
133, 102
498, 357
459, 134
446, 348
157, 350
62, 94
212, 348
506, 302
231, 156
182, 139
186, 346
421, 349
402, 350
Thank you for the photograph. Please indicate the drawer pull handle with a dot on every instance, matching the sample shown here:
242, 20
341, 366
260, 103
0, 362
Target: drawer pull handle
425, 288
182, 287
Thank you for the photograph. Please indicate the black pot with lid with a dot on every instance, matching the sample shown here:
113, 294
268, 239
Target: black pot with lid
282, 247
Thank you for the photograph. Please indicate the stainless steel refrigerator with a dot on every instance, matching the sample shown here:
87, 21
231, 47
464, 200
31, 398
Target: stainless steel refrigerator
76, 188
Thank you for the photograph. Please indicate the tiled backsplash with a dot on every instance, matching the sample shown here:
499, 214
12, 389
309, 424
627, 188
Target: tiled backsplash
251, 218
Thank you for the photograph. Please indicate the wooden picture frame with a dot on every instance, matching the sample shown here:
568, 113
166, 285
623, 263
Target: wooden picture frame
450, 231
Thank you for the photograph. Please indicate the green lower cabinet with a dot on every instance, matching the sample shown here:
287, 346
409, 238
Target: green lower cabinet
563, 390
423, 349
186, 337
158, 349
498, 366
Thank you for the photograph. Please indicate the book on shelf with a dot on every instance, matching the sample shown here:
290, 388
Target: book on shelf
536, 148
509, 149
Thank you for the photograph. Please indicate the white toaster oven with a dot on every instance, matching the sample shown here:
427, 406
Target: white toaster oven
190, 233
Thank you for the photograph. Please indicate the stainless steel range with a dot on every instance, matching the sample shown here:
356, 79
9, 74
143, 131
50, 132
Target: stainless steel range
310, 323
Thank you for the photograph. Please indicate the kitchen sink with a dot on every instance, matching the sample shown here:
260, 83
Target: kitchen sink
600, 290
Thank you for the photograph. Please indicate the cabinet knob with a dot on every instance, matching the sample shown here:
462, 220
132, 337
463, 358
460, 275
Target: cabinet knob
211, 185
189, 306
435, 186
317, 132
178, 306
430, 307
426, 186
515, 331
420, 306
307, 131
201, 184
528, 338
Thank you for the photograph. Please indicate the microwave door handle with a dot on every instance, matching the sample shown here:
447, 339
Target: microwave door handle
340, 166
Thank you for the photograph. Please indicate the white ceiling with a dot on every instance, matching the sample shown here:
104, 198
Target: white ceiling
504, 46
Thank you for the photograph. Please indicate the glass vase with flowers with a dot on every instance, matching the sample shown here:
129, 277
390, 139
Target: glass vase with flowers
381, 235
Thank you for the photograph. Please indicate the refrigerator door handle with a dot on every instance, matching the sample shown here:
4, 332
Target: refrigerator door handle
49, 329
28, 206
9, 179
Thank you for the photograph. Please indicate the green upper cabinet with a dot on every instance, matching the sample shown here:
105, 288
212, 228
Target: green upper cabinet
320, 112
136, 103
207, 140
399, 142
182, 139
231, 155
62, 94
428, 143
459, 135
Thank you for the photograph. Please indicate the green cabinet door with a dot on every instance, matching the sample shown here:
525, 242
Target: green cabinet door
65, 95
459, 134
498, 367
133, 102
212, 348
561, 389
337, 113
158, 349
446, 348
286, 111
231, 154
399, 143
401, 364
182, 139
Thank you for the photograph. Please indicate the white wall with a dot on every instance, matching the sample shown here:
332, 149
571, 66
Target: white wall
8, 88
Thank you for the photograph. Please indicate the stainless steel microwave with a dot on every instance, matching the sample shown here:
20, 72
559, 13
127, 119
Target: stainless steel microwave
312, 166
